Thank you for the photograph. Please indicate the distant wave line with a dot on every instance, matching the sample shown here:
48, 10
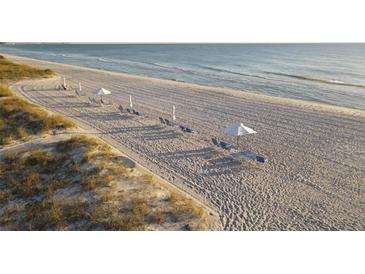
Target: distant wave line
326, 81
232, 72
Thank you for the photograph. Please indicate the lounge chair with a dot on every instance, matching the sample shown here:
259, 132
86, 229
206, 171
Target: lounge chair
129, 111
260, 159
162, 121
167, 122
188, 130
215, 142
77, 93
226, 146
120, 108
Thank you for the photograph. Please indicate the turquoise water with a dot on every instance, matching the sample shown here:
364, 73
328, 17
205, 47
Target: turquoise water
328, 73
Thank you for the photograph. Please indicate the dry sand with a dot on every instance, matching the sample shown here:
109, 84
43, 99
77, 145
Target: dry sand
315, 174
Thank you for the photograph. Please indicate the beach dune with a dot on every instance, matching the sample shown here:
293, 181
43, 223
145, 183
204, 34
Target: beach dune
315, 173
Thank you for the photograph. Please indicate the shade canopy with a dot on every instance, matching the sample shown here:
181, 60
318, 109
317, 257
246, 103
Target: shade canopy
238, 129
103, 91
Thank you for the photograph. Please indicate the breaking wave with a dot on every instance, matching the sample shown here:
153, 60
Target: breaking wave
319, 80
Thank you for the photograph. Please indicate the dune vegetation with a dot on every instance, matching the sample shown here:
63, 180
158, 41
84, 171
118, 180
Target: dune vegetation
20, 119
10, 71
81, 184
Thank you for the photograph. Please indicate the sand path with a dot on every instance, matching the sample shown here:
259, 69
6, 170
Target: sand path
315, 176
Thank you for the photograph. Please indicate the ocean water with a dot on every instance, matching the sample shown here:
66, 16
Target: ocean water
328, 73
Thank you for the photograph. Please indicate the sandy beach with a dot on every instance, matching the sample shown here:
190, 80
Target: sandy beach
313, 179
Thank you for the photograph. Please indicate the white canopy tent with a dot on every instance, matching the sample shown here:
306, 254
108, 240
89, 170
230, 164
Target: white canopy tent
237, 130
103, 91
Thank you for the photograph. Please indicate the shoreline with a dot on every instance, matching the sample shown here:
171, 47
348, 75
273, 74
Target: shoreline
312, 105
314, 156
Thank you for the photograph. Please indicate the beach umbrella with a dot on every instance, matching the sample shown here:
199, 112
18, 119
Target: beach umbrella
80, 88
130, 101
64, 81
237, 130
173, 113
103, 91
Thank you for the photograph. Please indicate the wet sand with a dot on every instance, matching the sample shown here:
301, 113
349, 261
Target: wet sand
315, 174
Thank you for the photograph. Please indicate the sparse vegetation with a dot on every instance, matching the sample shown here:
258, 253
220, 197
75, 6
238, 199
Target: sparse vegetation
56, 188
10, 71
18, 117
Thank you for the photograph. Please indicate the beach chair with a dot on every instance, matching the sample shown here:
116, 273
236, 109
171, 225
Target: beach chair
260, 159
121, 108
90, 100
188, 130
226, 146
96, 102
77, 93
129, 111
167, 122
215, 142
162, 121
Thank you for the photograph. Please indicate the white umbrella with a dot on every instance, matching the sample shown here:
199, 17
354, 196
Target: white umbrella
102, 92
80, 88
237, 130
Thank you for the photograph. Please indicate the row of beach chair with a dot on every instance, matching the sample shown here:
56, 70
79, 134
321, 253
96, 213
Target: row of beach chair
130, 111
173, 123
223, 145
238, 154
93, 101
102, 102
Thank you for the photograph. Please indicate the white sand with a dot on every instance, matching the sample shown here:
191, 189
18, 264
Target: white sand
315, 176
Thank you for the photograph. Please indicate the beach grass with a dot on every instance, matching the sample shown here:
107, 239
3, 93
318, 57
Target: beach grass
10, 71
20, 119
54, 188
